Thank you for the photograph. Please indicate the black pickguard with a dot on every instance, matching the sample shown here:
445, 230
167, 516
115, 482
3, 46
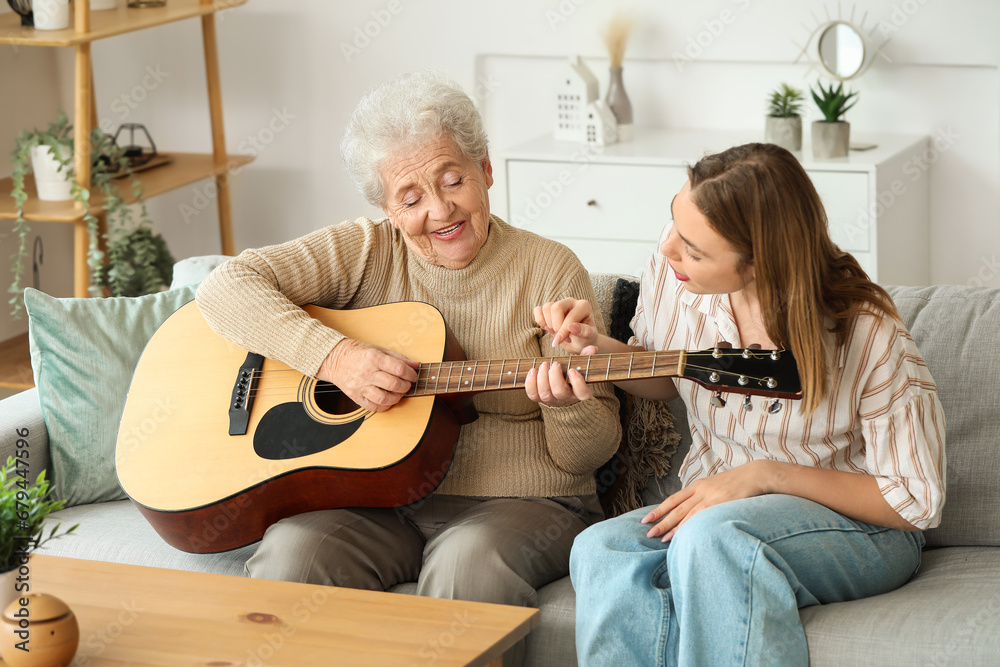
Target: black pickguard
286, 431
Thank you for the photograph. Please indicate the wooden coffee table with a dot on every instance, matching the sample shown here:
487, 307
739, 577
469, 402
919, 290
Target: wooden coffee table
151, 616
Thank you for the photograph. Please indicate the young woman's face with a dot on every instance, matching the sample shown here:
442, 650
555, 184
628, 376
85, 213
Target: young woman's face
698, 255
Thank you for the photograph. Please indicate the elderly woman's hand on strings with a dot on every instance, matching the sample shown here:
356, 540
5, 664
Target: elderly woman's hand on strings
549, 386
372, 377
571, 323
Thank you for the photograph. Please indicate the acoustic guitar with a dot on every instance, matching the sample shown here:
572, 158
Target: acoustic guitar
216, 444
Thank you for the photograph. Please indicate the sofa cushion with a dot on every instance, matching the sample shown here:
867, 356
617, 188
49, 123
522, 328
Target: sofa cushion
22, 413
83, 353
117, 532
947, 614
955, 328
192, 270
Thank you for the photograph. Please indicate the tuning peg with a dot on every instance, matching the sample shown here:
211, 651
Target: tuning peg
718, 401
775, 407
719, 347
747, 405
753, 346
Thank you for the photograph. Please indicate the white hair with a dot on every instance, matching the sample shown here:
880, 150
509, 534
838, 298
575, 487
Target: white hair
411, 110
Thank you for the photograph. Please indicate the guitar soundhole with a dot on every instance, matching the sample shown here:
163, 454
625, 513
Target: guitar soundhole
331, 400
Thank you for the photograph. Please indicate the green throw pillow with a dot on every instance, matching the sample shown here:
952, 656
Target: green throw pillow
83, 353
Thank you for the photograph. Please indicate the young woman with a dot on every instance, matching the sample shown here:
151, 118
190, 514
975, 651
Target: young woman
784, 504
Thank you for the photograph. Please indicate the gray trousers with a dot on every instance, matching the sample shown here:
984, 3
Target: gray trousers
499, 550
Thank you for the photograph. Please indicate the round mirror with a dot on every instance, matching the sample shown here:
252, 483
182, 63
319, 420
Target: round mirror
842, 50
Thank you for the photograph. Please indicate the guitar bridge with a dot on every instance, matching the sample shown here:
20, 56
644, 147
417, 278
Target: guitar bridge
243, 394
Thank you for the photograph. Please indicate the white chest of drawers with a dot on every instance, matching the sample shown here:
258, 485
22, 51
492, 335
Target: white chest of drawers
610, 206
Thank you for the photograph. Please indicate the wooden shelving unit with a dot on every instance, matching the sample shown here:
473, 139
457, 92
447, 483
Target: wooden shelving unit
185, 169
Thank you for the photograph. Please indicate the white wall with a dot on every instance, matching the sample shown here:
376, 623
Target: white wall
288, 88
710, 65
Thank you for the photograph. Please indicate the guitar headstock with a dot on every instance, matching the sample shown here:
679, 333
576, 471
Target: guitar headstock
772, 373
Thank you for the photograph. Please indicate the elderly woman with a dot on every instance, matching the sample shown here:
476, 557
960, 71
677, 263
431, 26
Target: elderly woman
524, 470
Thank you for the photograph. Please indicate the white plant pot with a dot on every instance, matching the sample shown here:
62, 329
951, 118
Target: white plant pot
103, 4
784, 132
52, 184
51, 14
830, 139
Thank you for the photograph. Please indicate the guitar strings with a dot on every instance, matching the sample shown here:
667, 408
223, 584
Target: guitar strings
330, 388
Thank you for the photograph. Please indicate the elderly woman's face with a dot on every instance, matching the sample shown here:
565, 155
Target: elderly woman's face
438, 199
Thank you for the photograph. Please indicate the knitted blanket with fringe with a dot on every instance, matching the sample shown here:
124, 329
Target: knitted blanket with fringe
648, 435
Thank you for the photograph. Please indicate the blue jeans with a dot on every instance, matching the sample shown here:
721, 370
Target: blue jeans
727, 589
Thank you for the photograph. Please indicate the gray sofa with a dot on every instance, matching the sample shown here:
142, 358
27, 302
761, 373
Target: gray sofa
949, 613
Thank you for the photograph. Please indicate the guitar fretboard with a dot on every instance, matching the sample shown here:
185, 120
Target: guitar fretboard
449, 377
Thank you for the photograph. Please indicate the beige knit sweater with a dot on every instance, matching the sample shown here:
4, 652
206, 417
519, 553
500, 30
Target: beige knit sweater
516, 448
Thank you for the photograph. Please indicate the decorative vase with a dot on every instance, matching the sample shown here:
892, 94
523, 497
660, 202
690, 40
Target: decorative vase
618, 100
830, 139
52, 184
784, 132
50, 14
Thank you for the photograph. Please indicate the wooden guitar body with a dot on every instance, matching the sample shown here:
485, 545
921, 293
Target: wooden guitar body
305, 448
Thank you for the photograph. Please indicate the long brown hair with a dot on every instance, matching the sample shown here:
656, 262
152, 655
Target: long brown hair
760, 199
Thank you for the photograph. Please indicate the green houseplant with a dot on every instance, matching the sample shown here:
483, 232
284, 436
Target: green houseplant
832, 136
139, 262
108, 161
23, 508
784, 121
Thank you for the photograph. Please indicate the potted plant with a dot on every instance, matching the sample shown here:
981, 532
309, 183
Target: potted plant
784, 123
23, 508
108, 162
139, 262
831, 137
51, 14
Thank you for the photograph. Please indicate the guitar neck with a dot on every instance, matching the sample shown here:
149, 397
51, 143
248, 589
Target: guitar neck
453, 377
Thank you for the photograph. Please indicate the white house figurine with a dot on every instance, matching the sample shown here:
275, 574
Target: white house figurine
575, 90
600, 124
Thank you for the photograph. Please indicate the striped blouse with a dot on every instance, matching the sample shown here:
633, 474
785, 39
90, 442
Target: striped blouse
882, 417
